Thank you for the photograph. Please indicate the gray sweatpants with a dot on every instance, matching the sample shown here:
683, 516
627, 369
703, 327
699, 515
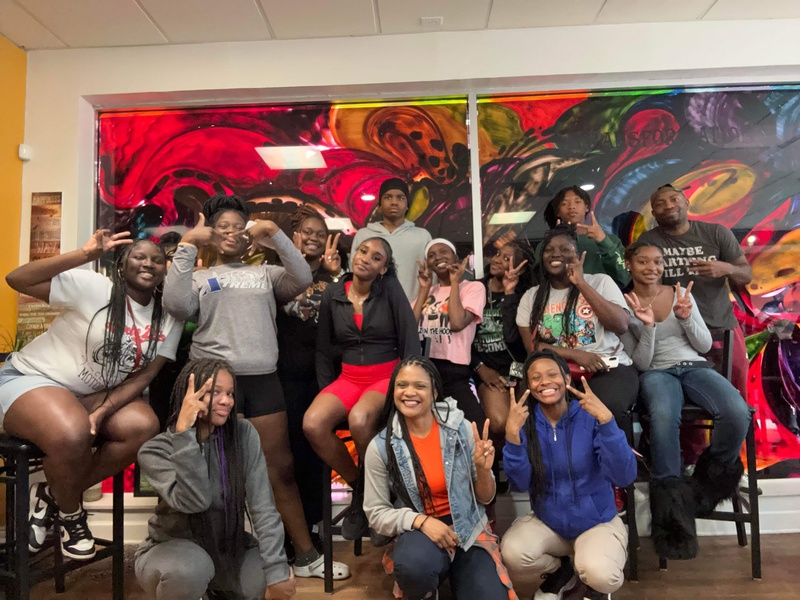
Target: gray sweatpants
182, 570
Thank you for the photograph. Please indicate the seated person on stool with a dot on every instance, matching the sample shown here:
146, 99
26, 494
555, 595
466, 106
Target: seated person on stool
570, 485
204, 468
439, 469
666, 339
82, 380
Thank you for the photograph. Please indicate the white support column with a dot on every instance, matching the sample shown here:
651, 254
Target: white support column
475, 180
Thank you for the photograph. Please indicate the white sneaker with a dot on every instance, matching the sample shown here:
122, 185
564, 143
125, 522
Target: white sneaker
76, 539
317, 569
41, 513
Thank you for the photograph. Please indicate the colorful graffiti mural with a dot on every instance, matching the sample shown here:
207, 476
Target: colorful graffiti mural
156, 168
737, 154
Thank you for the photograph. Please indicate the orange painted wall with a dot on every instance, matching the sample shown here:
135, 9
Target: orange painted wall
13, 64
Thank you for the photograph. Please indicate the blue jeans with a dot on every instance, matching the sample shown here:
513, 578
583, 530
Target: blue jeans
420, 566
663, 394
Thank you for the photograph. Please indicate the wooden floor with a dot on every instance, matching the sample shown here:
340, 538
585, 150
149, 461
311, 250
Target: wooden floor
721, 571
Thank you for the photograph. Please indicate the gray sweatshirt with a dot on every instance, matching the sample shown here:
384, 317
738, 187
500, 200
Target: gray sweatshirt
234, 305
408, 246
671, 341
175, 465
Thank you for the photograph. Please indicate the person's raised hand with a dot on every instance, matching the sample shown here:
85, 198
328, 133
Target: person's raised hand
201, 235
457, 271
331, 259
194, 405
102, 241
511, 276
518, 412
424, 276
643, 313
591, 403
483, 456
575, 270
592, 230
683, 304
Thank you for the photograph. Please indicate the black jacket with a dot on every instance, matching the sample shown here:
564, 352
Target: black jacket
388, 329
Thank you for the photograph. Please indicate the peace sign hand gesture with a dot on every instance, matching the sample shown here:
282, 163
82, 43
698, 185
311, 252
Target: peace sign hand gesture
643, 313
575, 270
591, 403
511, 276
593, 231
483, 456
102, 241
424, 276
194, 406
683, 305
517, 415
457, 271
331, 259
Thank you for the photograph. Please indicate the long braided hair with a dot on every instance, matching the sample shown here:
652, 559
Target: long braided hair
110, 356
396, 484
226, 548
303, 213
543, 291
539, 486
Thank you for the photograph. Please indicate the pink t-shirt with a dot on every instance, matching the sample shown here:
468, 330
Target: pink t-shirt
435, 322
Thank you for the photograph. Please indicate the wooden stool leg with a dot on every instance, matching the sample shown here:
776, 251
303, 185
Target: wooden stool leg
327, 530
118, 538
23, 560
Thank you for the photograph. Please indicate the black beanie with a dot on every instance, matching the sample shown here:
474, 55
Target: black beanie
394, 183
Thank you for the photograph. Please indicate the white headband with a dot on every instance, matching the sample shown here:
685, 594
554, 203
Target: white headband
447, 243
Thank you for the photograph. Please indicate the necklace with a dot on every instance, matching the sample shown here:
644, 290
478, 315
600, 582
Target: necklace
355, 298
653, 299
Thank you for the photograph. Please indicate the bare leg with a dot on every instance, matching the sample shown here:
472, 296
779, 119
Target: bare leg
56, 421
495, 405
274, 433
319, 423
363, 419
123, 433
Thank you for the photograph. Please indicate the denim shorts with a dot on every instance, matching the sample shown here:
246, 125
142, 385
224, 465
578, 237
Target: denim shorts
13, 384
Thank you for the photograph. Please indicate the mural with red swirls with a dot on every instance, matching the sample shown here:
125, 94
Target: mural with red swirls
737, 154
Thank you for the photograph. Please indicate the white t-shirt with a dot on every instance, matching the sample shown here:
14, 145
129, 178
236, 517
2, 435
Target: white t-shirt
586, 331
455, 346
66, 355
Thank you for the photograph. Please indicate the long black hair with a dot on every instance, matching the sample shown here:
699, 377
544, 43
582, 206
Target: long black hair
226, 548
396, 484
527, 277
538, 478
110, 355
543, 292
305, 212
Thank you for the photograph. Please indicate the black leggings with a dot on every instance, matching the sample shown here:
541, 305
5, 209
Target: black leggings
456, 381
618, 389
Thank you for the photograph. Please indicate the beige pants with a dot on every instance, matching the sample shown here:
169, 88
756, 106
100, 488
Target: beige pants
530, 549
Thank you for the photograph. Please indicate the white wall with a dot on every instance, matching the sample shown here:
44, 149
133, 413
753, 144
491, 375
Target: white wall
64, 86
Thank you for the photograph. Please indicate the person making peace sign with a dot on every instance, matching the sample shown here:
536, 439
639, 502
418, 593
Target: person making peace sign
440, 471
566, 455
666, 339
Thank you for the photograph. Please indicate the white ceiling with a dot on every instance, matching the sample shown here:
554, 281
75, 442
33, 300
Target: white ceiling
39, 24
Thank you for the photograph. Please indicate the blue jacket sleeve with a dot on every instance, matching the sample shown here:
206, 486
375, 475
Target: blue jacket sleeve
516, 464
617, 460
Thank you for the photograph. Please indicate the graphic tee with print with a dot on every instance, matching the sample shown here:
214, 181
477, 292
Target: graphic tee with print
435, 321
65, 354
586, 331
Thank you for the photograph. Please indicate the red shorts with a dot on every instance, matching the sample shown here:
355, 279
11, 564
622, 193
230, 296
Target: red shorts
357, 380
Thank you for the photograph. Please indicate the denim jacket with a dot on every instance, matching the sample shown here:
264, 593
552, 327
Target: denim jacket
458, 444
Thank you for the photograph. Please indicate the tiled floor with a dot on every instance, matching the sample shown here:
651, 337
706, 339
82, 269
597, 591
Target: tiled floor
721, 571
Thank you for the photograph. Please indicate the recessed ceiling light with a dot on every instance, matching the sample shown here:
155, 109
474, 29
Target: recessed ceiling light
368, 197
284, 158
339, 224
511, 218
587, 187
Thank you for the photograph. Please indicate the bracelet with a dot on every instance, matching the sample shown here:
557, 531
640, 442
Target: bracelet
478, 366
338, 276
423, 522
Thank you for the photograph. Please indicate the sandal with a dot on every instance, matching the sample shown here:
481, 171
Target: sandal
317, 569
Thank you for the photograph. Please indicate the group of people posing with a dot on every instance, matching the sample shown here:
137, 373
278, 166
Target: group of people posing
437, 376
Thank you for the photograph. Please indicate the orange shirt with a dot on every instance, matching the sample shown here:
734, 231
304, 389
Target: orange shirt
429, 450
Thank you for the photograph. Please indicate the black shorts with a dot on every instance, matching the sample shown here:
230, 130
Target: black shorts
259, 395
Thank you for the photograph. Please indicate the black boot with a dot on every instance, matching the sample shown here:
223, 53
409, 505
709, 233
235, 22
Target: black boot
713, 482
673, 529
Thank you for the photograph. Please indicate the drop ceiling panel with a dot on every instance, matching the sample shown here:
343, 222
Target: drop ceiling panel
197, 21
23, 30
92, 23
754, 9
403, 16
647, 11
320, 18
510, 14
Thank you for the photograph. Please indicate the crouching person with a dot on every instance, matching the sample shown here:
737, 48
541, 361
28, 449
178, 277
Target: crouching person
428, 474
567, 455
204, 468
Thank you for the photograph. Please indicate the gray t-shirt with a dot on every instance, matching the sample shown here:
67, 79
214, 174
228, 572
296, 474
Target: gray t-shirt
704, 241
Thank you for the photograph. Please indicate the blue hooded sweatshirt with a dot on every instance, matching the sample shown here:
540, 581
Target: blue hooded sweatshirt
582, 459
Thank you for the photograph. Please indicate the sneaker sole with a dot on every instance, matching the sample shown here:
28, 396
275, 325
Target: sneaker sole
83, 556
